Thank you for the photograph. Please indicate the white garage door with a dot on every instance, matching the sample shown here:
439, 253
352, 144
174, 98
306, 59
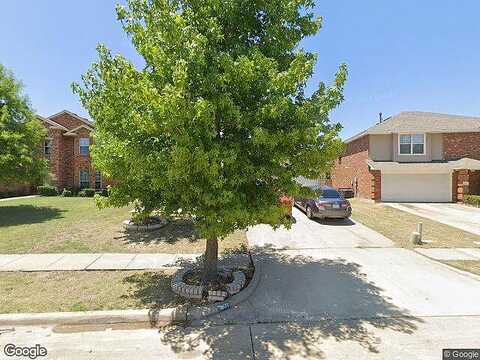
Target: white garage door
417, 187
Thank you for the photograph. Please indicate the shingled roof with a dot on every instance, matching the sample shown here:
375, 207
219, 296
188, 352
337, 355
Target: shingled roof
423, 122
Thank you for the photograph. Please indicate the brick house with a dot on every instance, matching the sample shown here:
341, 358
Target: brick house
67, 149
413, 157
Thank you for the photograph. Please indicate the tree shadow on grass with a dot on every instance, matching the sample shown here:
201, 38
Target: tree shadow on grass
300, 303
174, 231
27, 214
152, 290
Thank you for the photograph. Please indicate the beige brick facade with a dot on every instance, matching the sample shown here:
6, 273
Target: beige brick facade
351, 169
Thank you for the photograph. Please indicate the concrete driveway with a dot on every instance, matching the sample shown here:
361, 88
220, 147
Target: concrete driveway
460, 216
316, 234
327, 290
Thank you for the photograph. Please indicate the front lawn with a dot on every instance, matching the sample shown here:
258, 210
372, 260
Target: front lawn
398, 225
85, 290
75, 225
472, 266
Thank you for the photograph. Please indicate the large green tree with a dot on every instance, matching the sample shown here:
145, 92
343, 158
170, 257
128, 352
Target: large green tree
21, 135
217, 122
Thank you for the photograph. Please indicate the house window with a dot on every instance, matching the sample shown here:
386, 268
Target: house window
84, 145
47, 147
412, 144
98, 180
84, 179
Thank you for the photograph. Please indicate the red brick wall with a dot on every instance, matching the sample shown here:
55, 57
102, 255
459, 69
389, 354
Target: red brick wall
459, 145
55, 159
376, 187
82, 162
353, 164
65, 159
475, 182
455, 186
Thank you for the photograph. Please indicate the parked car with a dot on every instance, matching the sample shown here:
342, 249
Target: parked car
347, 193
328, 204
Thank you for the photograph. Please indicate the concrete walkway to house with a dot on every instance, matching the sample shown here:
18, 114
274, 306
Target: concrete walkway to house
19, 197
452, 254
463, 217
79, 262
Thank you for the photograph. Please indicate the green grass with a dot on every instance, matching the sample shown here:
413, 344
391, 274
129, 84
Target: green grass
398, 225
472, 266
84, 291
57, 224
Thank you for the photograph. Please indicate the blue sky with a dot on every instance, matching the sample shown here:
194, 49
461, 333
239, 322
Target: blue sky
402, 55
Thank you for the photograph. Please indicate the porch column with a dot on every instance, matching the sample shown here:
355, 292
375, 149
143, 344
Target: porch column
376, 185
463, 183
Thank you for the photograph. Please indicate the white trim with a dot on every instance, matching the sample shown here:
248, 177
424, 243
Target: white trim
71, 132
392, 167
412, 143
73, 115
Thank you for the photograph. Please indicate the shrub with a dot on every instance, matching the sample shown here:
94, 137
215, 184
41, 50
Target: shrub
105, 192
87, 193
67, 193
47, 190
472, 199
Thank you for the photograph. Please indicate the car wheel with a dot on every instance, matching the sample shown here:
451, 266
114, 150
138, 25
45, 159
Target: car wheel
309, 212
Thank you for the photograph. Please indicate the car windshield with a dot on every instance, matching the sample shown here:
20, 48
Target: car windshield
330, 194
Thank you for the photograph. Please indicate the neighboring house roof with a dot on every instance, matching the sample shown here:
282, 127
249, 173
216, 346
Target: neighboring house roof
86, 121
424, 122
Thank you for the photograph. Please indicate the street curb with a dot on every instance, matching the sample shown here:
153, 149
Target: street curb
202, 312
152, 317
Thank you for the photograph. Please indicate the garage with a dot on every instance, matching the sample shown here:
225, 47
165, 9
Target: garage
416, 187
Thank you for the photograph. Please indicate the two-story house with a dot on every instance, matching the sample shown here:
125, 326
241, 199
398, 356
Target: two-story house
67, 149
413, 157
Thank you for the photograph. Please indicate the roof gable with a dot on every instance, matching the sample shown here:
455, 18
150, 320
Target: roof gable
70, 120
52, 123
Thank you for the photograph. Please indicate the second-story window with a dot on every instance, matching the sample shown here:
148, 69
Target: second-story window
412, 144
84, 146
47, 147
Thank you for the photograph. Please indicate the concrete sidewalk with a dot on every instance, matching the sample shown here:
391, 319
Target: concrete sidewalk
78, 262
451, 253
19, 197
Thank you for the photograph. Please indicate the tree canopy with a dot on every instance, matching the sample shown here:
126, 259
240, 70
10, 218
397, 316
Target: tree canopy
21, 135
217, 122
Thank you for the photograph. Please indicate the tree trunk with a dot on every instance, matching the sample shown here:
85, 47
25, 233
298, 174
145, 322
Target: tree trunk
210, 262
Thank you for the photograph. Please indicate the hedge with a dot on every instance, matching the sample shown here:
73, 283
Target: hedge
472, 199
47, 190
